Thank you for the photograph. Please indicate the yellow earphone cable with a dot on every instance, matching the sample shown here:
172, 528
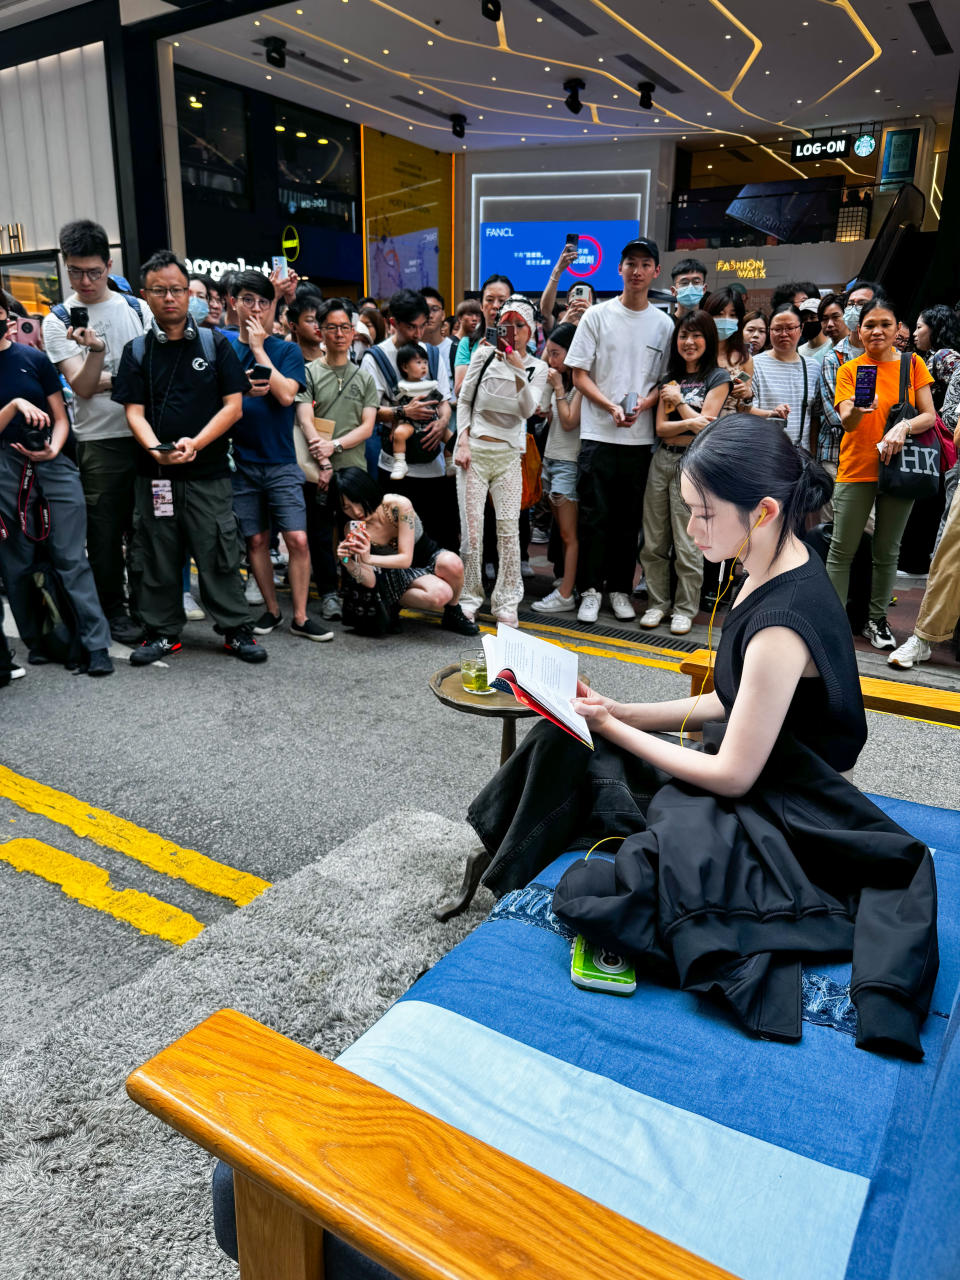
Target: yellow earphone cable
716, 605
600, 842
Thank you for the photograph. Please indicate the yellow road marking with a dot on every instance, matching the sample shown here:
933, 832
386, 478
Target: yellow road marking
601, 653
111, 832
90, 885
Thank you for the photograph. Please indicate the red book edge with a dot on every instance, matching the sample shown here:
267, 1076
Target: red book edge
521, 695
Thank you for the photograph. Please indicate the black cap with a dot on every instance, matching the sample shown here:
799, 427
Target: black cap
642, 245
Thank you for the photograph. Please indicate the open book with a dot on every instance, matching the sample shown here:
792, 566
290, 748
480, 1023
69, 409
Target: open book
540, 675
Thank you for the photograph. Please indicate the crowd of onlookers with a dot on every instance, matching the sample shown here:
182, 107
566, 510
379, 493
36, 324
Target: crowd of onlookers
409, 455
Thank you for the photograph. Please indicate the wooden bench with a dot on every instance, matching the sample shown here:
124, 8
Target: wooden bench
941, 706
316, 1148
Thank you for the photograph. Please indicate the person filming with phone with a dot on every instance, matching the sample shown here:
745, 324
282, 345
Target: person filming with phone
502, 389
579, 295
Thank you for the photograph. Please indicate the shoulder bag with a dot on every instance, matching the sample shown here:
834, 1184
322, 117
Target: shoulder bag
914, 472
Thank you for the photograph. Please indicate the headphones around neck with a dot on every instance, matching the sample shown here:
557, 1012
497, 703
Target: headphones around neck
189, 332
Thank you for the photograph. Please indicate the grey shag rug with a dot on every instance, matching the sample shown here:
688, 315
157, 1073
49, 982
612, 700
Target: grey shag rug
93, 1188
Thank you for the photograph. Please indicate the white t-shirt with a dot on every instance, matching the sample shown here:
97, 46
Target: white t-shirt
561, 445
115, 322
622, 351
782, 382
416, 470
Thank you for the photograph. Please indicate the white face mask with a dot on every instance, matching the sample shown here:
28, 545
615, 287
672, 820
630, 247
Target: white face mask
726, 327
851, 317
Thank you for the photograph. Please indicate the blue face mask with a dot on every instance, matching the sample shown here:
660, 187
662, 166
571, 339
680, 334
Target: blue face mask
690, 294
851, 318
726, 327
199, 309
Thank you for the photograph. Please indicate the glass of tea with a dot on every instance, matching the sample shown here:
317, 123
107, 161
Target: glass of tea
473, 671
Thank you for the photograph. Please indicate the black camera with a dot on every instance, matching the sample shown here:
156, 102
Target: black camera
35, 439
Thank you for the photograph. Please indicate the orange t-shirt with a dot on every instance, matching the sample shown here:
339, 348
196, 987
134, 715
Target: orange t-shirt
859, 459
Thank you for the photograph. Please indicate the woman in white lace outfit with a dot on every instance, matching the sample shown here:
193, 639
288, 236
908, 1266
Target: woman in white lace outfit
500, 391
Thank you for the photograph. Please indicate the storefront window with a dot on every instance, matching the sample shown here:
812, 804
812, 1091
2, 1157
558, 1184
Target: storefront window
34, 282
213, 140
317, 167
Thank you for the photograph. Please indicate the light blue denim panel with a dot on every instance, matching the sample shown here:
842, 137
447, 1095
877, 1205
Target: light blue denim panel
825, 1001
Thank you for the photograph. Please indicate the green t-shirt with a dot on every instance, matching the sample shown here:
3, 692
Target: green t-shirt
345, 406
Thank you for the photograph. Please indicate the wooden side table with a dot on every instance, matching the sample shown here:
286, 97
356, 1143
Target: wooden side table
445, 685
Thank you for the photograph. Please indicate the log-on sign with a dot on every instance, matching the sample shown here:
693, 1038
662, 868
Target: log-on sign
290, 243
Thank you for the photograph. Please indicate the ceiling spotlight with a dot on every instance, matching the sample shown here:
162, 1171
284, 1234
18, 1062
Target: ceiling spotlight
572, 100
646, 88
490, 9
458, 124
276, 48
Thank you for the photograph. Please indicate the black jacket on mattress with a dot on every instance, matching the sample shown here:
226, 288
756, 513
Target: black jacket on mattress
734, 893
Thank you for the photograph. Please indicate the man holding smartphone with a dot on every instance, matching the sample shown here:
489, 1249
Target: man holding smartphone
619, 355
87, 354
181, 394
268, 483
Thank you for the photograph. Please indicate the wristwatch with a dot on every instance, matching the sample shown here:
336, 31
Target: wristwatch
337, 447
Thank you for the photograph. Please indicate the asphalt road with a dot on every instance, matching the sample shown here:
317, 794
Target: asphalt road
262, 769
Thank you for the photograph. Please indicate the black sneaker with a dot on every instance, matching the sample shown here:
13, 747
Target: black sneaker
879, 634
267, 622
454, 619
100, 663
310, 631
125, 631
243, 646
153, 650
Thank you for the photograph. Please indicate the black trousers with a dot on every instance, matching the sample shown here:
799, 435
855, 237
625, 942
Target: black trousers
108, 469
321, 528
612, 481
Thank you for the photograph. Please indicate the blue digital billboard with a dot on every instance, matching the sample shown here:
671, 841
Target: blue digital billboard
527, 251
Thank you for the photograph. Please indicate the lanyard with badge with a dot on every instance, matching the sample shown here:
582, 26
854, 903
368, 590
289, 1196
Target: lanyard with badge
161, 490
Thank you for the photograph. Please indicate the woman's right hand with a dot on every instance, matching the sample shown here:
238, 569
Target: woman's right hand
569, 254
584, 691
461, 455
555, 378
33, 416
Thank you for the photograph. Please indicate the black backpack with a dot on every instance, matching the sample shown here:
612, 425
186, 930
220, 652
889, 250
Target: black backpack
415, 451
54, 628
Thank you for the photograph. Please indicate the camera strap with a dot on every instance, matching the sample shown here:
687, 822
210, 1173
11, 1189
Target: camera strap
33, 509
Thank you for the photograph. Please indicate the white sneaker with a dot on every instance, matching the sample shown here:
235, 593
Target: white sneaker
621, 606
540, 536
399, 468
641, 588
913, 650
680, 624
192, 609
589, 606
555, 603
652, 618
252, 593
526, 569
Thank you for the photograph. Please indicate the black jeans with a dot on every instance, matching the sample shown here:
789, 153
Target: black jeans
320, 532
555, 794
612, 481
108, 469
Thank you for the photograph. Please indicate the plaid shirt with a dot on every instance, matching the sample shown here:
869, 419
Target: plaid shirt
831, 430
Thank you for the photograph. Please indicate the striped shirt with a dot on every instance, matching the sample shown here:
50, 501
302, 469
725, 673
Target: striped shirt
786, 382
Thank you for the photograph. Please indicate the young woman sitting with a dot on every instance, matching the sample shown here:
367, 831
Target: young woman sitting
385, 547
746, 855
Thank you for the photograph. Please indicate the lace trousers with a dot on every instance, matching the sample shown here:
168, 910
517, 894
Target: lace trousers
494, 469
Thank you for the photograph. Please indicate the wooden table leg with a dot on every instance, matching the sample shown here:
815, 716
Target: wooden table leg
508, 739
477, 863
275, 1242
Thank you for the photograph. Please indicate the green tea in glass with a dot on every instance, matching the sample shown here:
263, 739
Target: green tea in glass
473, 671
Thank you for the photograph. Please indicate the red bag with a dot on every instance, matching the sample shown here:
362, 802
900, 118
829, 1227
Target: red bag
948, 450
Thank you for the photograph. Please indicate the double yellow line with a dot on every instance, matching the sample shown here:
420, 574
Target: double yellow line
89, 884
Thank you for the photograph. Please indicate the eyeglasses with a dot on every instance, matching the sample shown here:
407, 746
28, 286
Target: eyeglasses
175, 291
93, 275
784, 332
435, 309
255, 304
337, 328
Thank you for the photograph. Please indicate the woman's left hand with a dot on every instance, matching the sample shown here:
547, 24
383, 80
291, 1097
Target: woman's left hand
594, 709
892, 443
514, 358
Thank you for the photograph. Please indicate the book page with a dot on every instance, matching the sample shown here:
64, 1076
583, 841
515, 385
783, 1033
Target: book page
545, 671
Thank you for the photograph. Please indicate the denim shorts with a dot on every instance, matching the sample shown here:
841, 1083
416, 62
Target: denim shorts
269, 496
559, 478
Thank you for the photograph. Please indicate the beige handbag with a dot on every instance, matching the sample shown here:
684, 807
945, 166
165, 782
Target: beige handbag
305, 459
